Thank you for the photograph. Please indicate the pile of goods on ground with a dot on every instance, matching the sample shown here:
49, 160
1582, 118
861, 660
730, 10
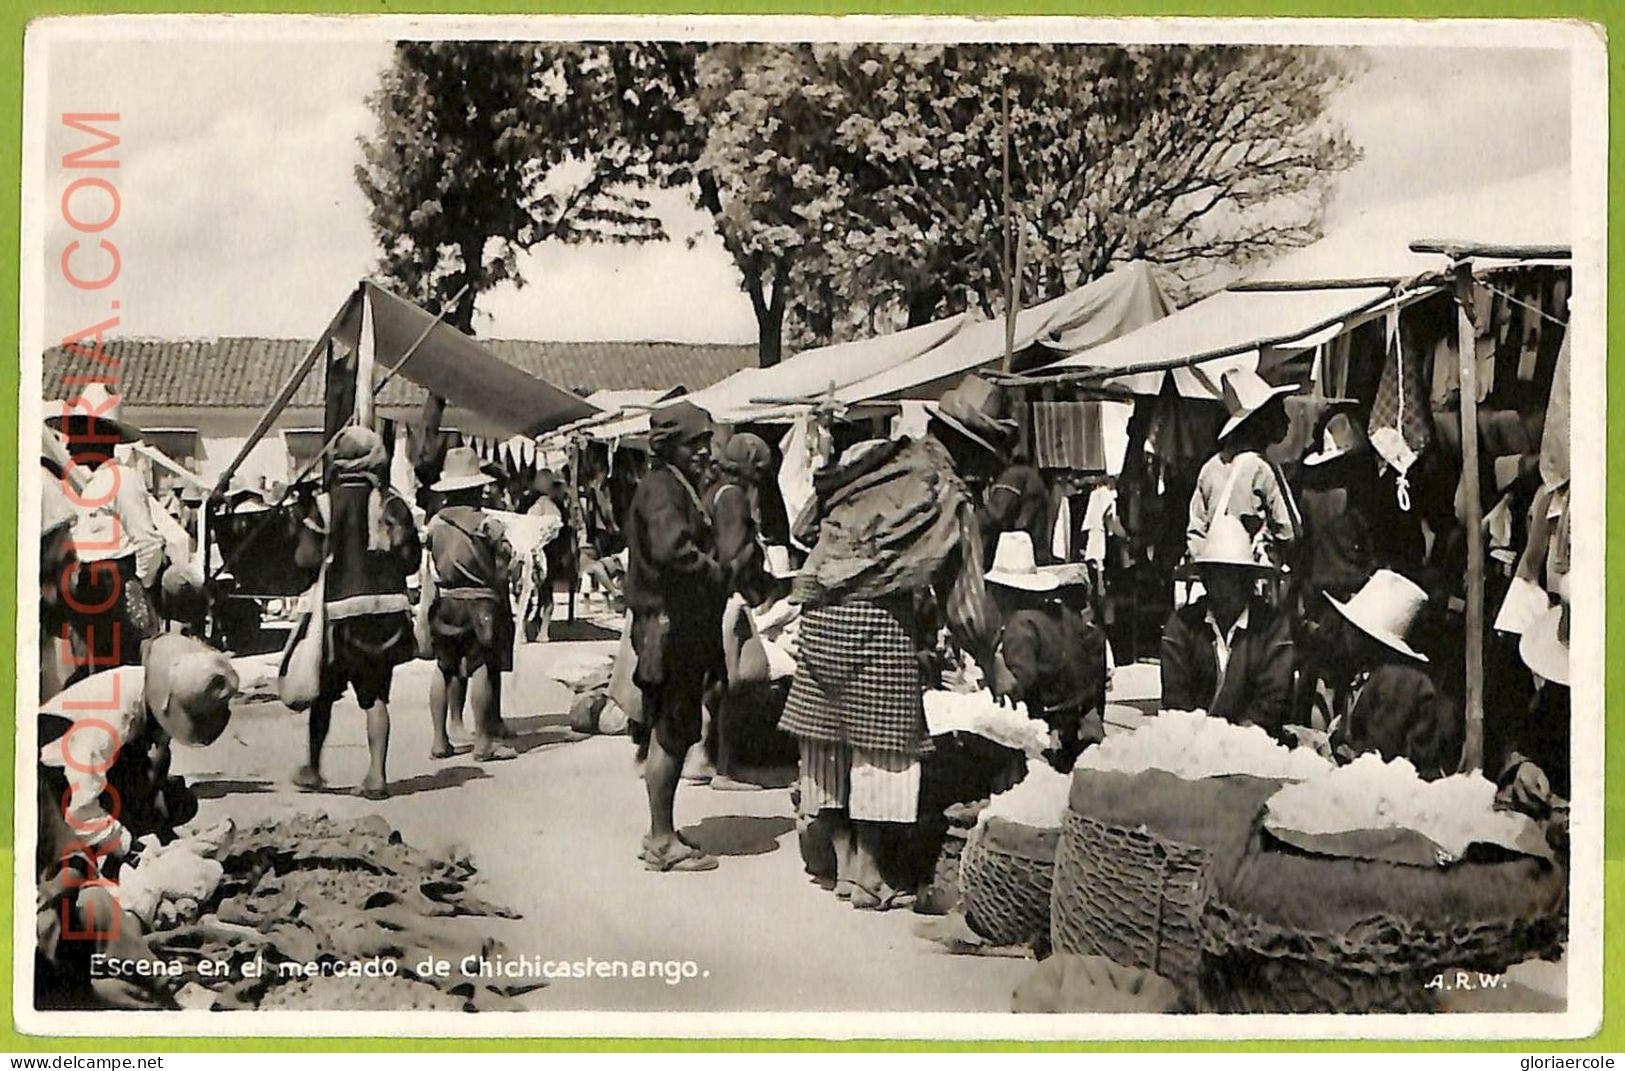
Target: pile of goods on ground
315, 913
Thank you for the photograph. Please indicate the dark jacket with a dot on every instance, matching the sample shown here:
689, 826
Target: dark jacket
1258, 681
1018, 501
672, 562
1057, 659
1398, 713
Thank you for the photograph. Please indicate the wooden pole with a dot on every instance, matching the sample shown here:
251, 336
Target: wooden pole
1472, 756
310, 467
1009, 235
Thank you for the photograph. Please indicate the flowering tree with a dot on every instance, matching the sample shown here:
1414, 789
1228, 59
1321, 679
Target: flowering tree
855, 186
874, 170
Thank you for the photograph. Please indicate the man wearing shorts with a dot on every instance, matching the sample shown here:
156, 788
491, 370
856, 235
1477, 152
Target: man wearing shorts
470, 620
676, 591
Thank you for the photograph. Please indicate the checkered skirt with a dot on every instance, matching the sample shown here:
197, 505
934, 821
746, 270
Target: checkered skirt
857, 681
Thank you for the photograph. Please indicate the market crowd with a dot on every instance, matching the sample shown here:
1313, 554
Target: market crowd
756, 639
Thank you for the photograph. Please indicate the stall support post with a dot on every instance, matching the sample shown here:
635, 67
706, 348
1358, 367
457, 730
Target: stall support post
1472, 757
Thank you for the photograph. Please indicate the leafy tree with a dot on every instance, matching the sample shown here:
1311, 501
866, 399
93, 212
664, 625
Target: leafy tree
484, 149
1189, 157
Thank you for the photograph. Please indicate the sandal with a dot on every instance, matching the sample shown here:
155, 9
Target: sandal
442, 752
374, 794
306, 779
844, 888
495, 753
676, 856
885, 899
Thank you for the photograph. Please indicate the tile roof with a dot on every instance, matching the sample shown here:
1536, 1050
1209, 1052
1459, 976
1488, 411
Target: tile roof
248, 372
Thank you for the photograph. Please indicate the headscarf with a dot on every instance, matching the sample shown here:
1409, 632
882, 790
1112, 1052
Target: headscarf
747, 456
676, 424
358, 455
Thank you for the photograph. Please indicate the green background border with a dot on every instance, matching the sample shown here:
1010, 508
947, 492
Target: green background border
14, 17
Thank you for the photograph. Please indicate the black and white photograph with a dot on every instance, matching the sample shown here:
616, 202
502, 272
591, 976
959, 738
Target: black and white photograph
811, 527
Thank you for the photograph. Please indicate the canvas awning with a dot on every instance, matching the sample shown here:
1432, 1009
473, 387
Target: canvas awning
788, 388
1227, 330
1310, 296
456, 367
1116, 304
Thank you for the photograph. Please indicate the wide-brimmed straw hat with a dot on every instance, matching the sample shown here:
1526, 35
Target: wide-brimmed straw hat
461, 471
187, 676
1544, 646
1015, 565
1385, 609
1339, 438
94, 413
1245, 393
1228, 543
975, 409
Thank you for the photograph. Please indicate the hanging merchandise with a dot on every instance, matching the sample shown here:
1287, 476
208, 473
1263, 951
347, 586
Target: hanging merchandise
1554, 438
1399, 430
1484, 347
1068, 435
805, 449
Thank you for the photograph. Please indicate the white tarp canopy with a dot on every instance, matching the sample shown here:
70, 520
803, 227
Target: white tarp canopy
920, 362
798, 380
1116, 304
1229, 329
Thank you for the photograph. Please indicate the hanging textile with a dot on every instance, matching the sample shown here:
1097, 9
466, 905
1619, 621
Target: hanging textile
1554, 439
804, 449
1067, 435
1399, 429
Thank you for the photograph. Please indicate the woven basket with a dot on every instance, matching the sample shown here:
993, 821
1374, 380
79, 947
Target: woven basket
1130, 896
1383, 964
1006, 895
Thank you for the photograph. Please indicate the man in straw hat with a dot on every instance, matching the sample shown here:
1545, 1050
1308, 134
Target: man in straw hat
1387, 703
675, 589
1533, 753
1239, 480
470, 617
105, 742
895, 545
1228, 653
1056, 660
363, 536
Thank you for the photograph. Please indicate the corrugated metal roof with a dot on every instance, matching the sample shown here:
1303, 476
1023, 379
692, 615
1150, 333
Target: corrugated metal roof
248, 372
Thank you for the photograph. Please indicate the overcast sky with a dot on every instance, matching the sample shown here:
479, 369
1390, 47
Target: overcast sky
240, 214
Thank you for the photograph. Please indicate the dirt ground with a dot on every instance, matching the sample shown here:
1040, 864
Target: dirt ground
556, 835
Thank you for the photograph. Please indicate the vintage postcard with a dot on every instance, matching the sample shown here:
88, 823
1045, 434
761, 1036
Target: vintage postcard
796, 527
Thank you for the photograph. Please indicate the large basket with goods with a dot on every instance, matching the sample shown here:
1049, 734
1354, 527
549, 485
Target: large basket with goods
1154, 816
978, 749
1361, 887
1007, 869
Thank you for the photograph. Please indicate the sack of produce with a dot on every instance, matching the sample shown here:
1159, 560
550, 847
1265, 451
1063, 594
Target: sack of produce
1365, 884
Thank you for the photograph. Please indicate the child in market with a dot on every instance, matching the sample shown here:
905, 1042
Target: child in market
1051, 658
1389, 703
